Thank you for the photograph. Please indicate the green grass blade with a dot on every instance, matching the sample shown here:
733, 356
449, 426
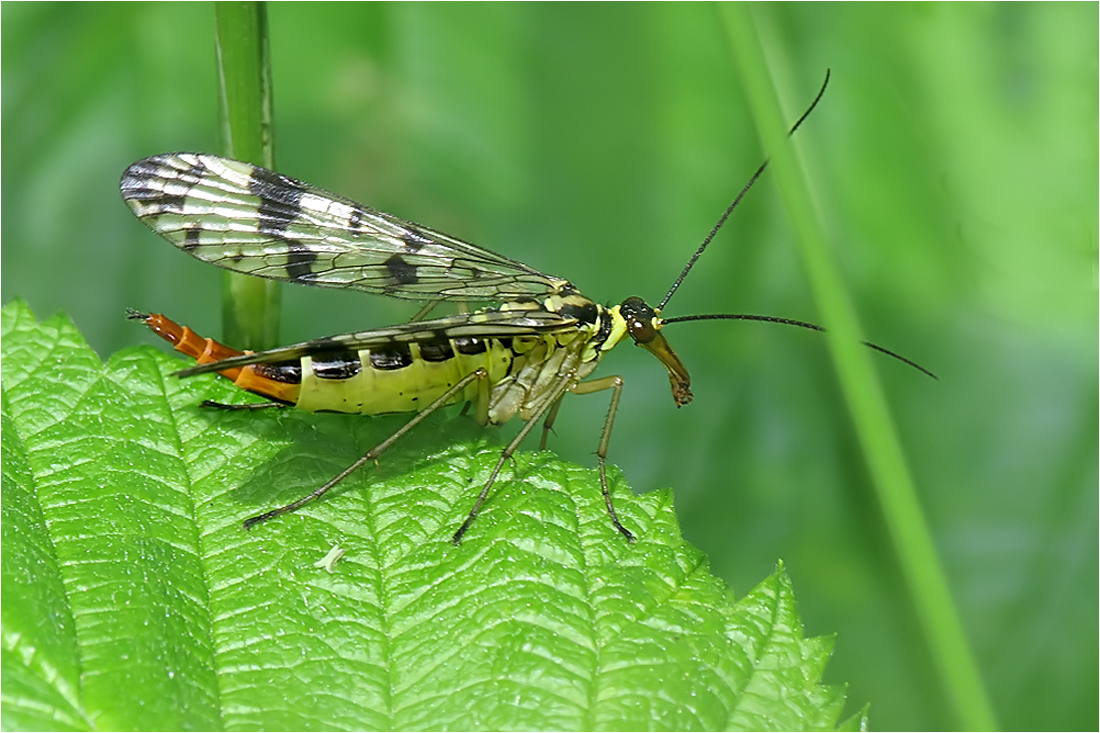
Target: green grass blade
924, 575
250, 305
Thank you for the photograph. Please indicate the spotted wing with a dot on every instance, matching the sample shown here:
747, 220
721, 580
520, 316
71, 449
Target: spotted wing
249, 219
490, 324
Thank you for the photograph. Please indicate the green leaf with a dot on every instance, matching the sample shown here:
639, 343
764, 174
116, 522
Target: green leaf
133, 599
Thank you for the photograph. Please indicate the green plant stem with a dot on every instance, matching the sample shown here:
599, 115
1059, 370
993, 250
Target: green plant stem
897, 494
250, 305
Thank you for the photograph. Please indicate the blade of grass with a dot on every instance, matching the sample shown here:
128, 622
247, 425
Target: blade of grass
250, 305
896, 492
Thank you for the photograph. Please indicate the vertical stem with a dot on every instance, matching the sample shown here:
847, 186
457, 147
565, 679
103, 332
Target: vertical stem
928, 586
250, 305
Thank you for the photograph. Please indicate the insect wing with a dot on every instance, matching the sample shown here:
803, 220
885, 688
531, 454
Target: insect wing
251, 220
481, 325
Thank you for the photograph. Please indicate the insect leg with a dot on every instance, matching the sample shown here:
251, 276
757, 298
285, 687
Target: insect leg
560, 390
481, 402
615, 384
246, 406
481, 406
373, 453
421, 314
548, 424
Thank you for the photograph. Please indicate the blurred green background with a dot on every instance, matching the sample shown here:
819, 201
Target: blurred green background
954, 161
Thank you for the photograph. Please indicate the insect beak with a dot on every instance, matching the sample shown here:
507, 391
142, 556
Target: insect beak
677, 372
643, 325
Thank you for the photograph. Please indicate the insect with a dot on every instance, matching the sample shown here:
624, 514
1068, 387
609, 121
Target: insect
541, 340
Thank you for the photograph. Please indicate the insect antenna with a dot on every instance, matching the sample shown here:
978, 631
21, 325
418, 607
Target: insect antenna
729, 209
791, 322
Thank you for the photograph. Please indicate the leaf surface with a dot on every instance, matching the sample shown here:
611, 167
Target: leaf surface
133, 598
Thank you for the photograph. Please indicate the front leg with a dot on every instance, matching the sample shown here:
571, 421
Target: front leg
615, 384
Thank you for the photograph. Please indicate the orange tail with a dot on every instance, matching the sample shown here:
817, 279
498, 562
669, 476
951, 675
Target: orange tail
186, 341
255, 378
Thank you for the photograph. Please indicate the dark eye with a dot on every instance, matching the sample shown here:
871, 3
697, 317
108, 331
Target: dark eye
639, 319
